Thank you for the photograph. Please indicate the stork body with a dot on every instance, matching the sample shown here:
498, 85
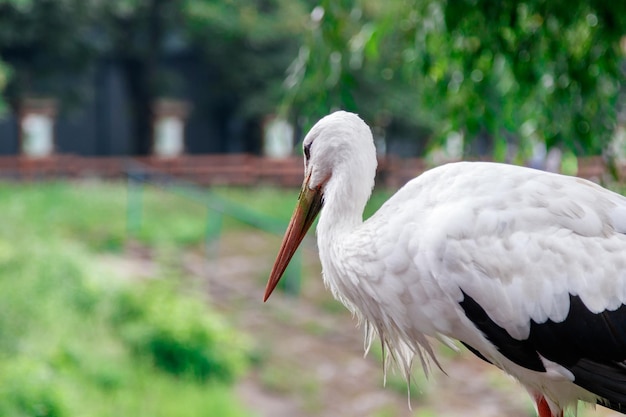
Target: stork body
525, 268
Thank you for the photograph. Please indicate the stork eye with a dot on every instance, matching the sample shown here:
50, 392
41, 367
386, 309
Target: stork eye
307, 151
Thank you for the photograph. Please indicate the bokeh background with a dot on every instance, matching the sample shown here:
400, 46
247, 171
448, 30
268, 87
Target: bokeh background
149, 162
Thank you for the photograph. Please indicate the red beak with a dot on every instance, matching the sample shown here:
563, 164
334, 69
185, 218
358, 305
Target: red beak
309, 205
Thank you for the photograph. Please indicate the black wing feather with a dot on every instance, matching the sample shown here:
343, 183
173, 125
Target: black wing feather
592, 346
520, 352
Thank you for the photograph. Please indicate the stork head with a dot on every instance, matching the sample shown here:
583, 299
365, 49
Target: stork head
334, 145
338, 151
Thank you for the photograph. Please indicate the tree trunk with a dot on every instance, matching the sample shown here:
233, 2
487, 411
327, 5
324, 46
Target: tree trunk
140, 63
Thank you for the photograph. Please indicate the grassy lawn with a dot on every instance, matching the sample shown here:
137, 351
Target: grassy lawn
77, 340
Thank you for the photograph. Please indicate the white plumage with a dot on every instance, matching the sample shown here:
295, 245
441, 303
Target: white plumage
510, 261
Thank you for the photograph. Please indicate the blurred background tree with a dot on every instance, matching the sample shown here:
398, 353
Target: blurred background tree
134, 32
4, 79
246, 44
503, 75
37, 44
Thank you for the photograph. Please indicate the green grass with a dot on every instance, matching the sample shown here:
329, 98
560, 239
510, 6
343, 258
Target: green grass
278, 203
96, 213
77, 340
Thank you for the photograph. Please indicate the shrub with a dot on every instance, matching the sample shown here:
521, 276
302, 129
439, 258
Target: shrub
179, 334
28, 389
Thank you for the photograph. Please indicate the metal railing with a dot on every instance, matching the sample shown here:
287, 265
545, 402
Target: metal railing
140, 175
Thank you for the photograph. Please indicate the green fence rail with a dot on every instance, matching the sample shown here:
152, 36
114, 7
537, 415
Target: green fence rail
139, 176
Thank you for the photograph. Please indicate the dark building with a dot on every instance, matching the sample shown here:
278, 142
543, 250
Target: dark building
99, 123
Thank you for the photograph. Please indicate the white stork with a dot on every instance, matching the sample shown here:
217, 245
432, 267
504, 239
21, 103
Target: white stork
525, 268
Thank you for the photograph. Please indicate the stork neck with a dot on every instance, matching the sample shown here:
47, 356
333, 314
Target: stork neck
343, 209
340, 220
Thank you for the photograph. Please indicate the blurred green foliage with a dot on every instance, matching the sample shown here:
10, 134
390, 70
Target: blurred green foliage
5, 73
38, 44
504, 75
76, 338
503, 72
265, 35
181, 338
